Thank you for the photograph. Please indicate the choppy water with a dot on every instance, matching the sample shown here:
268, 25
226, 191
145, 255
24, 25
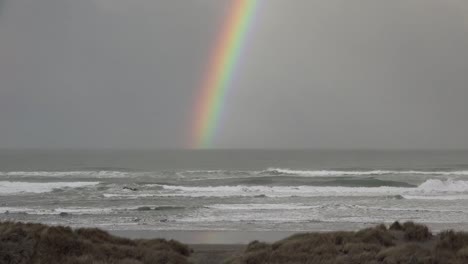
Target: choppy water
234, 189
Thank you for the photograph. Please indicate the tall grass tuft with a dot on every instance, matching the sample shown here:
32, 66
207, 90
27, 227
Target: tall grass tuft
22, 243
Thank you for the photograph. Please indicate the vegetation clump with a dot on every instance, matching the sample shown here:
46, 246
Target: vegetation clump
416, 232
406, 243
22, 243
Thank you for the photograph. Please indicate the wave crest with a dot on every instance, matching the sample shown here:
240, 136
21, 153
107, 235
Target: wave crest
430, 188
325, 173
8, 187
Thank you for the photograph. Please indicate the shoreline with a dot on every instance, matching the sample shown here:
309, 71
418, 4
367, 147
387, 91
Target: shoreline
207, 237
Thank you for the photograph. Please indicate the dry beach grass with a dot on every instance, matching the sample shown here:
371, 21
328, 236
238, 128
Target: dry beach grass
37, 244
406, 243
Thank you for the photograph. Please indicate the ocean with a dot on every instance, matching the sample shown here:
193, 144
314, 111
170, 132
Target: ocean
234, 190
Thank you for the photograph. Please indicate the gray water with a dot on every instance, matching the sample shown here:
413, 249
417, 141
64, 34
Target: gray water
253, 190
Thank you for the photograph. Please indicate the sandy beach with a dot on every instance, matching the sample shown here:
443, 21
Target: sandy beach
206, 237
209, 247
214, 254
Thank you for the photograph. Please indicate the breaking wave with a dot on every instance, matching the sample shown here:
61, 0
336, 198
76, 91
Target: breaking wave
8, 187
430, 188
55, 211
286, 206
325, 173
84, 210
225, 174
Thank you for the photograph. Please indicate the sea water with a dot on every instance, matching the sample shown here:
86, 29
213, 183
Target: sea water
240, 190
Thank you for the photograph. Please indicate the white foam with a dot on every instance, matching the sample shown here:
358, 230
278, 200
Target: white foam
205, 171
277, 191
436, 197
325, 173
444, 186
84, 210
56, 211
287, 206
245, 219
128, 196
431, 188
410, 209
8, 187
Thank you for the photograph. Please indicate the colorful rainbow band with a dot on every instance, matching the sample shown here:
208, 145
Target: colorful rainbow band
219, 77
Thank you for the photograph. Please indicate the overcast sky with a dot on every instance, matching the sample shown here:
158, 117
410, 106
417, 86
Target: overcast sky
315, 74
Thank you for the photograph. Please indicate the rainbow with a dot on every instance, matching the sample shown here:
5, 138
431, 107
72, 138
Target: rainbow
221, 70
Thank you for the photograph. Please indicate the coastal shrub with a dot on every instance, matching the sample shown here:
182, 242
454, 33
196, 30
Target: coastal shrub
416, 232
96, 235
452, 240
396, 226
377, 235
406, 243
16, 246
180, 248
462, 254
36, 244
261, 256
359, 258
405, 254
358, 248
256, 245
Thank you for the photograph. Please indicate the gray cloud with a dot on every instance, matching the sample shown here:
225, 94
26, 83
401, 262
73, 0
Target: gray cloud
315, 74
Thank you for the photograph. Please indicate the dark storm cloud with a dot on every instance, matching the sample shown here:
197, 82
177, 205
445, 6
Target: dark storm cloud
325, 74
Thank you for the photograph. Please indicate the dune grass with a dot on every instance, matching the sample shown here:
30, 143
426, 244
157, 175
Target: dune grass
24, 243
407, 243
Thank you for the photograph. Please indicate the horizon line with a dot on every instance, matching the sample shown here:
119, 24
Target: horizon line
227, 149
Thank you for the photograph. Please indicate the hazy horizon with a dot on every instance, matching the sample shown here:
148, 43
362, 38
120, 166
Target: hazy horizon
240, 149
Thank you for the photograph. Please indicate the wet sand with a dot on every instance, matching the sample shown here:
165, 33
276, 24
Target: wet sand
207, 237
209, 247
214, 254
